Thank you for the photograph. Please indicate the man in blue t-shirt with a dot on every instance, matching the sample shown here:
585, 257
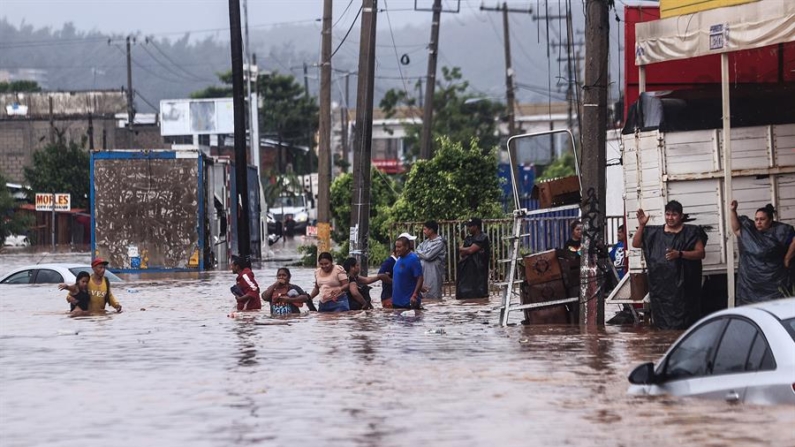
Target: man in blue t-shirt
407, 277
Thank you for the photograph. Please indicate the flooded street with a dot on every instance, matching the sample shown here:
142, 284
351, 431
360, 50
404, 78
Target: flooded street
173, 369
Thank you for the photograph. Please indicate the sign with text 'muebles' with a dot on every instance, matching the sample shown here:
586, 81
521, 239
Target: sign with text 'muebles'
44, 202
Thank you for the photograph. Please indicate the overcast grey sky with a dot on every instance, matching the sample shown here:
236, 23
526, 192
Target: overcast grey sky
166, 16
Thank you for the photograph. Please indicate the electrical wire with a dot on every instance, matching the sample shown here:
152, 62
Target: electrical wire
397, 58
139, 95
179, 66
169, 69
355, 19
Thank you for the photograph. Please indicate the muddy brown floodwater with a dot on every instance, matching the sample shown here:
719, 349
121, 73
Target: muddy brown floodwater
174, 369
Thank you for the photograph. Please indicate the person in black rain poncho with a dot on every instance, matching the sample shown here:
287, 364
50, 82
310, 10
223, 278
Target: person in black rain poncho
673, 255
766, 250
473, 265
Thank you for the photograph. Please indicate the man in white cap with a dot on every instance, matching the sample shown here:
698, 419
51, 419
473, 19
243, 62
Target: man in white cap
410, 238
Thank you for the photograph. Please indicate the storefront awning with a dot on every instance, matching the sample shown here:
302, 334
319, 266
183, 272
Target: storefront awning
721, 30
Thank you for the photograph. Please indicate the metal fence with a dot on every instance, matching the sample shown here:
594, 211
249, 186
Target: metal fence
544, 232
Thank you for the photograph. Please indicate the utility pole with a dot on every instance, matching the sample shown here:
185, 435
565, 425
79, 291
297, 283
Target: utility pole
241, 163
52, 122
90, 132
324, 128
510, 89
309, 139
427, 112
509, 83
253, 110
130, 109
597, 31
344, 121
426, 140
362, 156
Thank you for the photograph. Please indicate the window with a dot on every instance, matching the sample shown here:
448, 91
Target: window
735, 346
789, 325
46, 276
693, 356
760, 358
22, 277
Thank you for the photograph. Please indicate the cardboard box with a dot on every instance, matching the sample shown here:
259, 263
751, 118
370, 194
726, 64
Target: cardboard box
542, 267
557, 192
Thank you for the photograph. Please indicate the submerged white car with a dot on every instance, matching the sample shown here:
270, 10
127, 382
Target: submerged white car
744, 354
16, 240
50, 274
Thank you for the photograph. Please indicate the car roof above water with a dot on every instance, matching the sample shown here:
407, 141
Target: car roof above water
782, 309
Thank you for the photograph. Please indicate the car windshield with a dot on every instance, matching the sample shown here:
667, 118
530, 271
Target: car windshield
288, 201
111, 276
789, 325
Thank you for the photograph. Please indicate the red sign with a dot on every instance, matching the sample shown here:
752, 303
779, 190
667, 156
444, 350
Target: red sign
388, 165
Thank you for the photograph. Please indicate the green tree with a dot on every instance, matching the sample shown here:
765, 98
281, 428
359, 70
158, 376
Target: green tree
383, 193
563, 166
62, 168
459, 182
458, 114
19, 86
287, 115
11, 222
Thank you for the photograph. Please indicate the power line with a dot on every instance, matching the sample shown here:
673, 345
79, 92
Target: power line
347, 33
139, 95
179, 66
54, 41
342, 15
397, 57
166, 67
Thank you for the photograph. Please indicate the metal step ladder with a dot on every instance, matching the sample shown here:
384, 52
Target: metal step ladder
510, 284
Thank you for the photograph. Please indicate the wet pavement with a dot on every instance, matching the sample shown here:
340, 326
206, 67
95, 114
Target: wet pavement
174, 369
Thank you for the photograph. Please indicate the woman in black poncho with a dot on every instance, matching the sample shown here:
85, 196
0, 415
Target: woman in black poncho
766, 250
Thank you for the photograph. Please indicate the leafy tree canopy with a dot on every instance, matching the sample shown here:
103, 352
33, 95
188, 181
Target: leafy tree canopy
459, 182
19, 86
561, 167
458, 114
11, 222
61, 168
383, 193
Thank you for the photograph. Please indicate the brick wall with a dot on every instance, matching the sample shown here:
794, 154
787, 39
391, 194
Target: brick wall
20, 138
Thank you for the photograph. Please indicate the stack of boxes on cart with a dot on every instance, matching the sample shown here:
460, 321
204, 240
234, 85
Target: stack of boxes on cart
551, 275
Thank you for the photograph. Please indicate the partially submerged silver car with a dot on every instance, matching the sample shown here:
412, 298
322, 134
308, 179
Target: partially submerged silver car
744, 354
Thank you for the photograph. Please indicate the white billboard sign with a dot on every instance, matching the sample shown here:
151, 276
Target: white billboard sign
197, 117
44, 201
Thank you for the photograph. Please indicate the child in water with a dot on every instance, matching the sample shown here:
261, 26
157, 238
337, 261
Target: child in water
246, 289
79, 301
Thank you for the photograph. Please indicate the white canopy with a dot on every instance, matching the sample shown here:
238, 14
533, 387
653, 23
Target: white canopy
721, 30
